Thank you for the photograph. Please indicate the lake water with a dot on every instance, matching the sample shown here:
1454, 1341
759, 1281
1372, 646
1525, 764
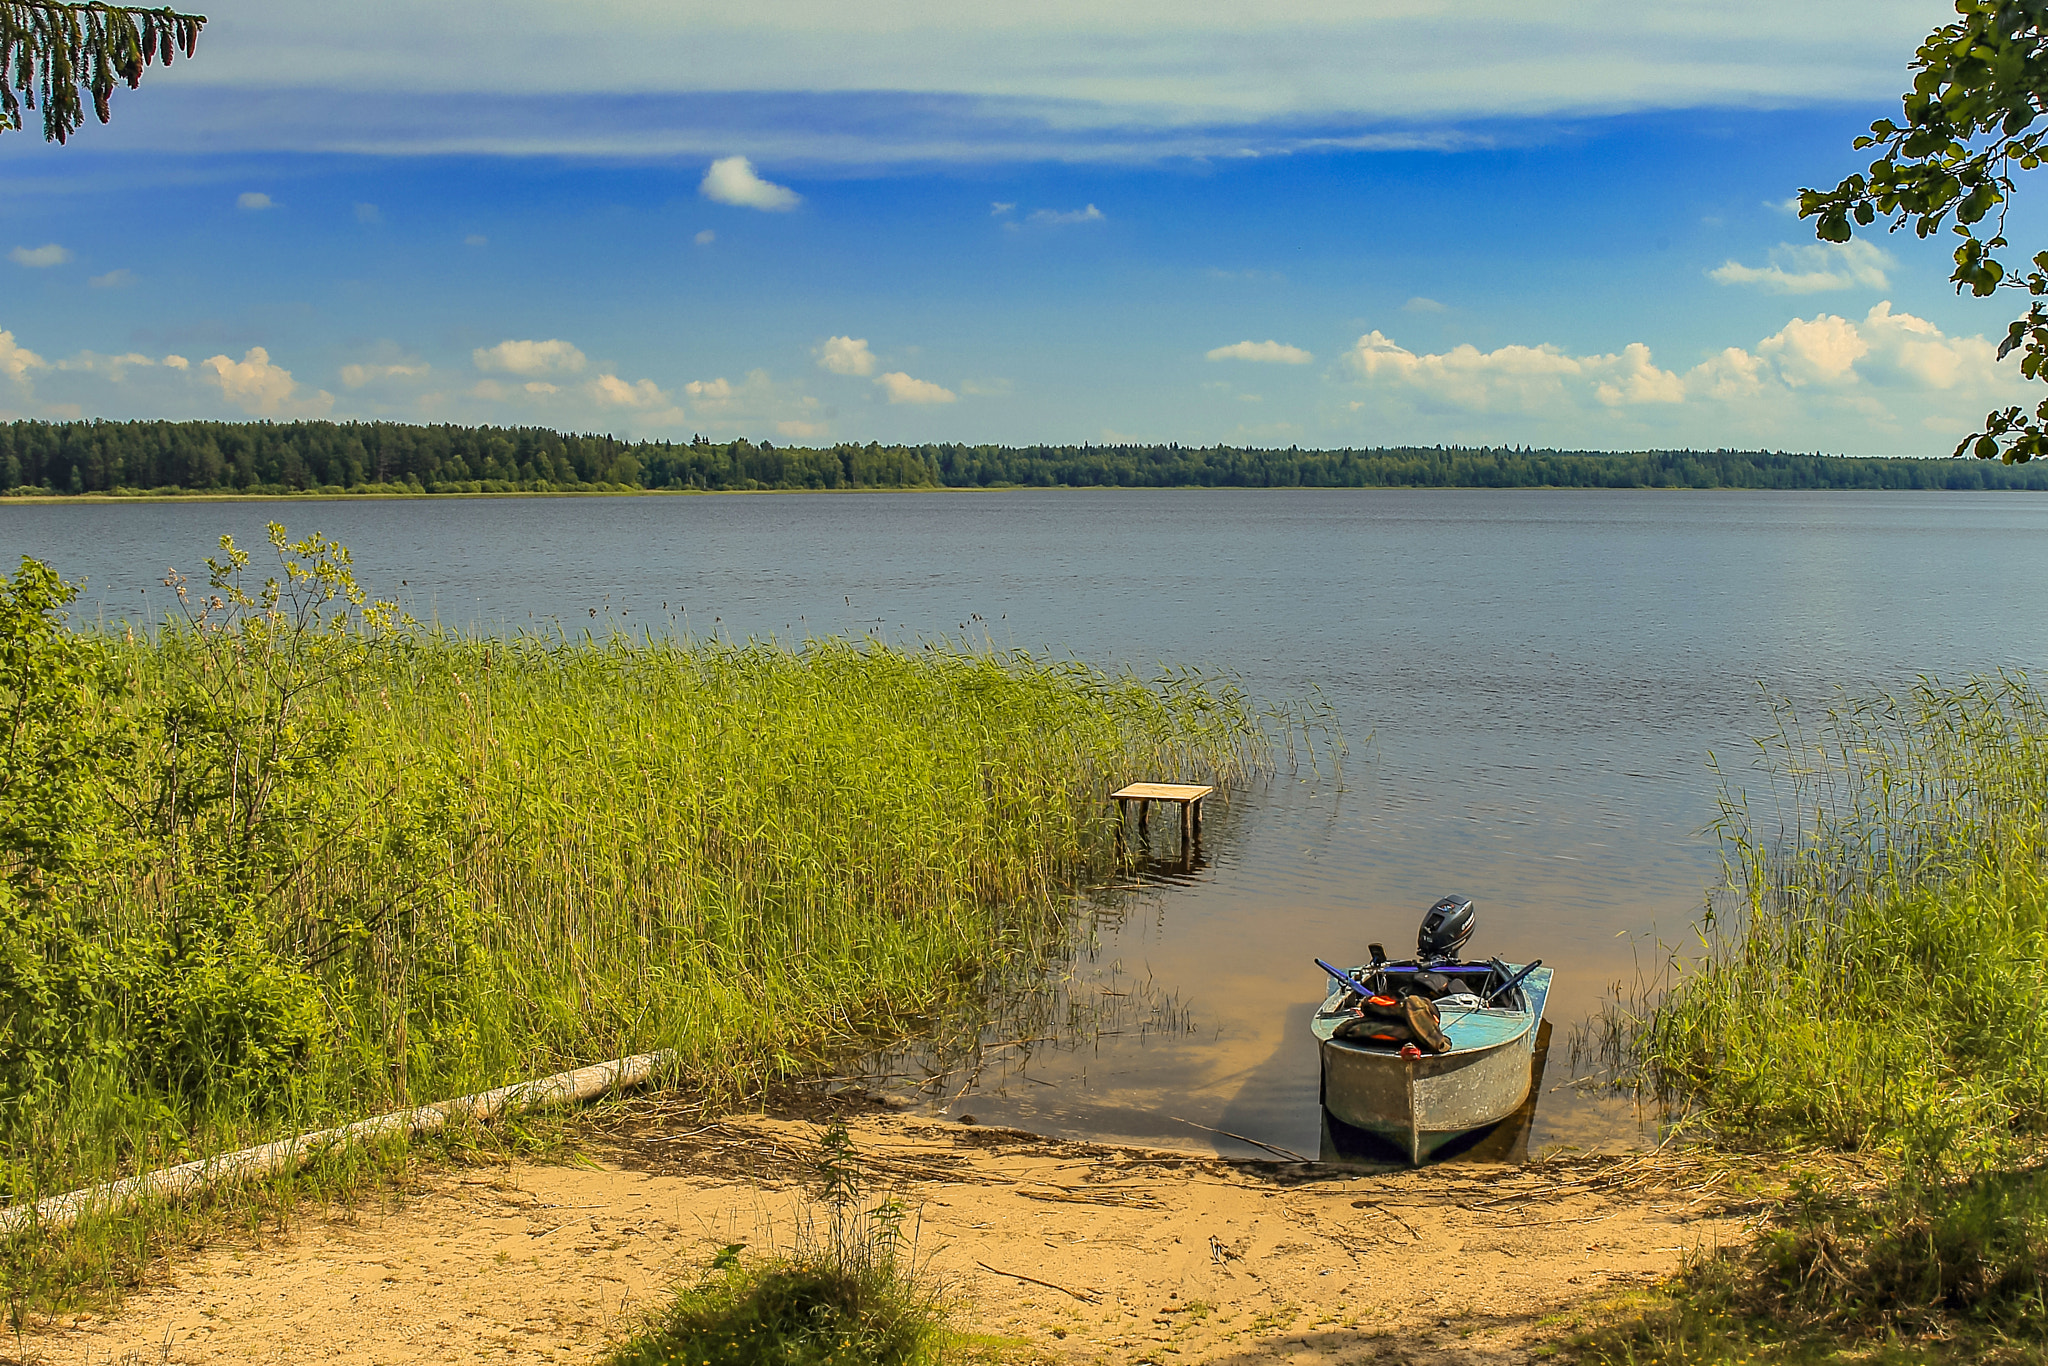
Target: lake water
1531, 683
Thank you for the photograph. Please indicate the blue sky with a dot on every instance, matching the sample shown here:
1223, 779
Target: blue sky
1327, 223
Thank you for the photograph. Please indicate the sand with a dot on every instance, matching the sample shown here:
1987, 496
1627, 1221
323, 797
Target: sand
1076, 1252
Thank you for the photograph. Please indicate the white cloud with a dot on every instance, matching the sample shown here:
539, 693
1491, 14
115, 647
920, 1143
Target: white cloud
1879, 383
17, 360
1420, 304
1057, 218
990, 387
551, 357
902, 388
113, 279
846, 356
356, 376
1812, 268
254, 201
368, 213
476, 239
540, 388
705, 238
259, 388
40, 258
998, 208
731, 180
613, 392
1268, 352
114, 368
802, 431
754, 402
177, 363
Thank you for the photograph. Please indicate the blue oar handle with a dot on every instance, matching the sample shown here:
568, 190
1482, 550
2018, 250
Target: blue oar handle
1512, 982
1344, 977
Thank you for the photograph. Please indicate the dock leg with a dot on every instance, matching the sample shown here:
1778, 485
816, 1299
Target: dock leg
1144, 820
1187, 832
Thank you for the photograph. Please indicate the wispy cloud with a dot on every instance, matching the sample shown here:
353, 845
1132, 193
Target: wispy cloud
254, 201
731, 180
1064, 217
1811, 269
113, 279
1422, 304
40, 258
551, 357
1268, 352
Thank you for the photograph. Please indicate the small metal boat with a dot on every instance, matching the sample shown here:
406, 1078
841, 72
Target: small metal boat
1420, 1101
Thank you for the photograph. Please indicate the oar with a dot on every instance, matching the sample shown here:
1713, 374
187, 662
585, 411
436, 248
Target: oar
1511, 983
1345, 978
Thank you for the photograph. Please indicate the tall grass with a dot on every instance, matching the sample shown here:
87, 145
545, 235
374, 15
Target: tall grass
1877, 981
339, 863
1880, 979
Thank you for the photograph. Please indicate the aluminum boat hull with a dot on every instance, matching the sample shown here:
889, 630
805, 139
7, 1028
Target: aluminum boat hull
1420, 1104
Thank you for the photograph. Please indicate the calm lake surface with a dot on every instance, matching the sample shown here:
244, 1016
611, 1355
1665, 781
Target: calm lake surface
1530, 683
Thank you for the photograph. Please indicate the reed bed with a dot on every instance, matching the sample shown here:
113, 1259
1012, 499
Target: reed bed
330, 862
1874, 982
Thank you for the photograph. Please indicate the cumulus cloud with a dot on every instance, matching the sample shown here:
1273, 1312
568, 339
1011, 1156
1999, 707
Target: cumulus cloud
711, 390
902, 388
551, 357
254, 201
846, 356
177, 363
1268, 352
17, 360
356, 376
1811, 269
113, 279
731, 180
40, 258
1890, 376
258, 387
1060, 218
612, 392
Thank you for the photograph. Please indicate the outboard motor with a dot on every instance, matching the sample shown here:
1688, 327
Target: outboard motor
1445, 931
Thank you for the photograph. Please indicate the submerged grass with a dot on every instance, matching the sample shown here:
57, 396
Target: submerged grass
323, 863
1876, 983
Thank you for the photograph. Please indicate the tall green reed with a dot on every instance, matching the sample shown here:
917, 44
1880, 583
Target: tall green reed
349, 863
1876, 980
1878, 976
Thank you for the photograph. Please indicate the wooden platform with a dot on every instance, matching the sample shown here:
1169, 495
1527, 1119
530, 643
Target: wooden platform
1161, 792
1188, 796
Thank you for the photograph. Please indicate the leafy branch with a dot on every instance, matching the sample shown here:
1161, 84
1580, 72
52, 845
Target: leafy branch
1980, 85
58, 50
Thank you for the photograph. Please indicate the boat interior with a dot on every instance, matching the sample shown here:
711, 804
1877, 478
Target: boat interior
1453, 986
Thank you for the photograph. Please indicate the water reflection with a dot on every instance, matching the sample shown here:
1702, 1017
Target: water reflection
1542, 696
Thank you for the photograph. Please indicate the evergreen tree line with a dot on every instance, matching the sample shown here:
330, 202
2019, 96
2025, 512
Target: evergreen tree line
289, 457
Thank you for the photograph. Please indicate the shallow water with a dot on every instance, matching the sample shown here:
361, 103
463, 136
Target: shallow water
1531, 683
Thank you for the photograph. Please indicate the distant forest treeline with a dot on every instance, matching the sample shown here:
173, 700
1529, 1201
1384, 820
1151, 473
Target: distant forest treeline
290, 457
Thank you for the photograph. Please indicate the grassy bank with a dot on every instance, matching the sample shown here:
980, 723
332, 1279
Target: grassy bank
291, 859
1879, 985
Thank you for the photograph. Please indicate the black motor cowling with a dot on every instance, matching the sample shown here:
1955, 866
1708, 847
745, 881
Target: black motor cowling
1445, 930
